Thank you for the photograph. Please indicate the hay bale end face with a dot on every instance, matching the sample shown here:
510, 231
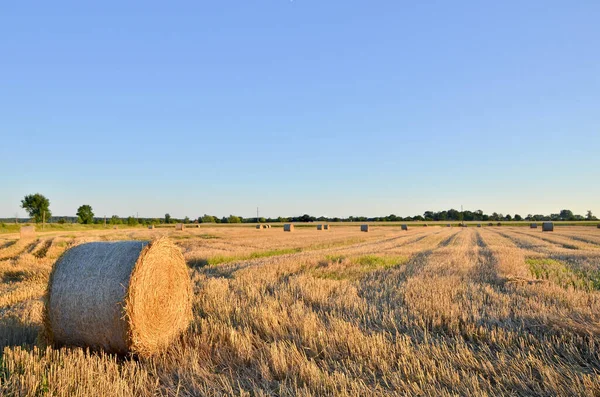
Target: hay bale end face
151, 227
499, 224
547, 227
364, 228
179, 226
259, 226
479, 225
288, 227
490, 224
533, 225
319, 227
326, 227
404, 227
121, 297
598, 226
27, 232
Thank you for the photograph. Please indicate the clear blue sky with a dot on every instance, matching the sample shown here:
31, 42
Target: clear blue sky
308, 106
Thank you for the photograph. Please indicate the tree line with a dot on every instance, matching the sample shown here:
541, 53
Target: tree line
38, 208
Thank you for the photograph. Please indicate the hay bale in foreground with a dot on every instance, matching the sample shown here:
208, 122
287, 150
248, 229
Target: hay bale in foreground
404, 227
547, 227
533, 225
288, 227
179, 226
27, 232
364, 228
121, 297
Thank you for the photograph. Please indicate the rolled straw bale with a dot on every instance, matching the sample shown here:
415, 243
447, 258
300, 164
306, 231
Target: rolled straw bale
364, 228
479, 225
115, 227
288, 227
448, 225
319, 227
259, 226
179, 226
533, 225
404, 227
598, 226
424, 225
325, 227
27, 232
151, 227
547, 227
499, 224
121, 297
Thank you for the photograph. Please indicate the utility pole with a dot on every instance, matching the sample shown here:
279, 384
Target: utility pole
104, 220
16, 218
256, 214
43, 219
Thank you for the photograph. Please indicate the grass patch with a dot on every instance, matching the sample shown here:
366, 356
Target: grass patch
339, 267
222, 259
563, 275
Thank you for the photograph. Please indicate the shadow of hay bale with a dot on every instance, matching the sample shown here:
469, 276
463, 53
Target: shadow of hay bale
14, 332
197, 263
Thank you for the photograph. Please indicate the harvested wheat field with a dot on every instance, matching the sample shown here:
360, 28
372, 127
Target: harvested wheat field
427, 311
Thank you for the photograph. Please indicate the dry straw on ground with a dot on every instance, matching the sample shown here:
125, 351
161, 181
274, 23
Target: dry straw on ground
27, 232
120, 297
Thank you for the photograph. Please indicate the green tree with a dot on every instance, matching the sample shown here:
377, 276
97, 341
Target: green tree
131, 221
37, 206
115, 220
566, 215
167, 218
207, 219
234, 219
85, 214
590, 216
186, 220
518, 217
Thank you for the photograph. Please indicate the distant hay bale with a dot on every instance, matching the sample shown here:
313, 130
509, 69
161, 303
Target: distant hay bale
479, 225
27, 232
448, 225
326, 227
121, 297
151, 227
319, 227
288, 227
364, 228
533, 225
259, 226
547, 227
424, 225
115, 227
499, 224
490, 224
598, 226
179, 226
404, 227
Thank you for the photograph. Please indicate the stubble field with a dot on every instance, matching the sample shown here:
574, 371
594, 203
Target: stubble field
428, 311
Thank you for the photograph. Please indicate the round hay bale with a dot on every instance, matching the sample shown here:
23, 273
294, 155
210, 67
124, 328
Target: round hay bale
122, 297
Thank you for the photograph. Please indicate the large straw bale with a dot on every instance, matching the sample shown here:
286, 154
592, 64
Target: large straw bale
121, 297
259, 226
27, 232
533, 225
319, 227
404, 227
151, 227
364, 228
179, 226
288, 227
547, 227
325, 227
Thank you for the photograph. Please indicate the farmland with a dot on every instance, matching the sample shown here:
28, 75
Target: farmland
428, 311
